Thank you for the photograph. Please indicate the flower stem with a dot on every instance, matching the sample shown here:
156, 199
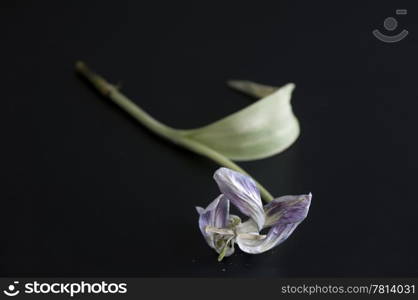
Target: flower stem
112, 92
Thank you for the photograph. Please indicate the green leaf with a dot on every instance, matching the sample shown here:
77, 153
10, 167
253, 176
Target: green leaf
262, 129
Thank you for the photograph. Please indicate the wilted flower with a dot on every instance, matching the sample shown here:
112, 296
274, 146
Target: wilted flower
222, 230
262, 129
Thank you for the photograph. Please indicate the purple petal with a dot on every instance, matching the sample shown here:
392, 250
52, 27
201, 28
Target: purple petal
200, 210
287, 209
216, 215
221, 214
276, 235
242, 191
284, 214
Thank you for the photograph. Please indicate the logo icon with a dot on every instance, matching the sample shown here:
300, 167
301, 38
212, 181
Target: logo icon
391, 24
11, 289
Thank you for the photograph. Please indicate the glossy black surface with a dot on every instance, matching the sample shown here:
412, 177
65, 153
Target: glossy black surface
86, 191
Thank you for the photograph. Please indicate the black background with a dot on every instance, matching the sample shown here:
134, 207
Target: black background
87, 191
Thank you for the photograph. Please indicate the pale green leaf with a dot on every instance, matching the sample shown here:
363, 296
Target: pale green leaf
262, 129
